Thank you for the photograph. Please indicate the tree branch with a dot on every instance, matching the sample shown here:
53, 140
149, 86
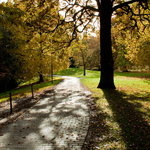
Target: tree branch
123, 4
98, 4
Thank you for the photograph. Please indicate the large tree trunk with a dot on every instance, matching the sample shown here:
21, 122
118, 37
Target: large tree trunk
107, 71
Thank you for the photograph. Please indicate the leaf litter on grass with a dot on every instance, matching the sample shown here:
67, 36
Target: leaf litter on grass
125, 113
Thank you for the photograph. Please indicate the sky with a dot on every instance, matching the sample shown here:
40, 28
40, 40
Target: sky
3, 1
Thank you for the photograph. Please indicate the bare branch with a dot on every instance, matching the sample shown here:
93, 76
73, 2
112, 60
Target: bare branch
135, 15
91, 8
98, 4
76, 20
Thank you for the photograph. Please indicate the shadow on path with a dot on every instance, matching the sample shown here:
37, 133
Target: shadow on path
59, 120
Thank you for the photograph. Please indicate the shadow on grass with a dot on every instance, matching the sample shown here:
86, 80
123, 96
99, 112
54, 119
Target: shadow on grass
134, 129
98, 129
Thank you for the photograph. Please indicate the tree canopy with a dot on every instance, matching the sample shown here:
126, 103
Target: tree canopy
32, 24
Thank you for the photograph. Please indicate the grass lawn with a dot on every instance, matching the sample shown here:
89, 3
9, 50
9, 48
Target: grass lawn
25, 88
123, 115
77, 72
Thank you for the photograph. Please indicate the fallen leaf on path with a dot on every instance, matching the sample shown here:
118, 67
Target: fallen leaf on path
53, 142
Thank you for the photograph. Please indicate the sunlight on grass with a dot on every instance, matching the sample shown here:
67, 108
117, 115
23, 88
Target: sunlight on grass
110, 137
24, 91
123, 115
136, 92
123, 111
34, 80
77, 72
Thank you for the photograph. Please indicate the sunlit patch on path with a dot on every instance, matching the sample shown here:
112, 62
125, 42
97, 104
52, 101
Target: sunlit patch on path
60, 120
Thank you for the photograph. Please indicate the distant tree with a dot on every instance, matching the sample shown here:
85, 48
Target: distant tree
82, 52
94, 48
86, 52
72, 63
138, 49
119, 31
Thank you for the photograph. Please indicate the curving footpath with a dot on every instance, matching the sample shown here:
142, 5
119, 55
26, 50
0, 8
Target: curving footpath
59, 121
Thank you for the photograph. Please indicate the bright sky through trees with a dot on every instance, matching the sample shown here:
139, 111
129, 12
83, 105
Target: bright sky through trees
62, 13
3, 1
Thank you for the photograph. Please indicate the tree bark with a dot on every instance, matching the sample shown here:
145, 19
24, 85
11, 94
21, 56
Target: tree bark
84, 70
107, 70
41, 78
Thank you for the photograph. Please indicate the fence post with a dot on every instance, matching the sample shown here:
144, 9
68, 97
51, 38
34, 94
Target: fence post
32, 91
10, 103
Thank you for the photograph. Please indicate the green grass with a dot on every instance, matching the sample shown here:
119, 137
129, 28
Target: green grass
25, 88
123, 120
125, 112
77, 72
132, 74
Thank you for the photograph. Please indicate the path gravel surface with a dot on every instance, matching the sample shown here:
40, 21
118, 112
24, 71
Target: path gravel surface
58, 121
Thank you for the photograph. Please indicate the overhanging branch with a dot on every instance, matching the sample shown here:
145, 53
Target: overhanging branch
123, 4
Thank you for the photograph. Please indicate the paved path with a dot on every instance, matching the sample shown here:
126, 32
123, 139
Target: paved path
59, 121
